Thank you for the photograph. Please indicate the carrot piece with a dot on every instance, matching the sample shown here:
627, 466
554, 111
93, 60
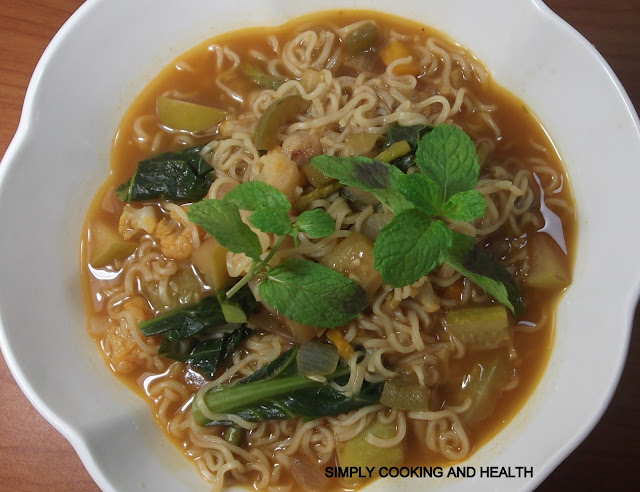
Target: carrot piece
396, 50
345, 350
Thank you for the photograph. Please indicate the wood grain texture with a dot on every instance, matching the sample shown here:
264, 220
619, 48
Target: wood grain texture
34, 457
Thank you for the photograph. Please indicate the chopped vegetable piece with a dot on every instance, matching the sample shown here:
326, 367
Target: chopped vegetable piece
405, 393
305, 201
359, 197
210, 258
548, 264
396, 50
394, 151
412, 135
187, 116
359, 452
107, 245
259, 77
316, 359
353, 256
479, 328
233, 435
345, 350
316, 178
361, 143
280, 172
482, 383
232, 312
362, 38
373, 224
184, 287
278, 113
310, 79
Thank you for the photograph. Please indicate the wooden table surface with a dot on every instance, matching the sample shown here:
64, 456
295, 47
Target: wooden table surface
34, 457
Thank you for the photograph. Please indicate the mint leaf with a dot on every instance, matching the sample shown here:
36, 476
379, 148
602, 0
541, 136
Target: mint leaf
222, 220
274, 220
409, 247
312, 294
484, 271
465, 206
256, 194
448, 156
316, 223
364, 173
420, 190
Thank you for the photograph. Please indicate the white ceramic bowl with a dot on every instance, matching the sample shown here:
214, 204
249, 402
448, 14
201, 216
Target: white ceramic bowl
105, 55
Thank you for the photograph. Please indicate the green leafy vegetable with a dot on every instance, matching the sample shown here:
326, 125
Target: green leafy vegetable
365, 173
205, 334
448, 156
278, 392
312, 294
410, 246
257, 194
485, 272
179, 176
316, 223
465, 206
421, 191
412, 135
275, 220
222, 220
187, 321
205, 356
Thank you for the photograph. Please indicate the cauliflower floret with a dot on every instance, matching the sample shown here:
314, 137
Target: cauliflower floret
135, 220
280, 172
175, 239
124, 354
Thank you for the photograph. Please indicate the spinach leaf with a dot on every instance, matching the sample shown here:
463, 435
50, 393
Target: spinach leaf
412, 134
187, 321
277, 392
204, 356
179, 176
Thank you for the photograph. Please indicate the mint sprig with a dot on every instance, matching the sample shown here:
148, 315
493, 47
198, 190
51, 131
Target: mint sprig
303, 290
417, 239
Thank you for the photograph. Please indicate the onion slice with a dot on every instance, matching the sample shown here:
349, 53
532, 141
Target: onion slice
316, 359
